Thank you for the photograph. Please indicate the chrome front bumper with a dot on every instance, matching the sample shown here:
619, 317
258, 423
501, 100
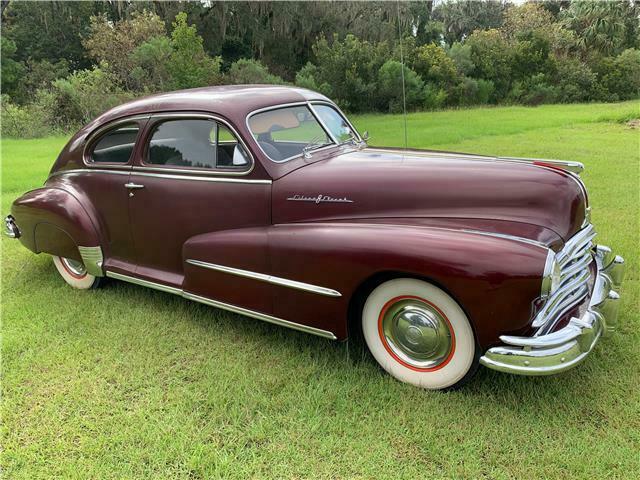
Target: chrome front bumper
563, 349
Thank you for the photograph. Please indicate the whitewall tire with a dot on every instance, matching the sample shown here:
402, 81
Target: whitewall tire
419, 334
75, 273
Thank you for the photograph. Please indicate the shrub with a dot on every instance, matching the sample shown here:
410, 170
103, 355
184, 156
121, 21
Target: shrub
389, 94
575, 82
492, 60
351, 67
306, 78
461, 56
250, 71
434, 97
36, 119
620, 76
434, 66
84, 95
534, 90
474, 92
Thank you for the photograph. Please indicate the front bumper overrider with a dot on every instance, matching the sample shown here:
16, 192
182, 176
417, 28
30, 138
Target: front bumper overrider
563, 349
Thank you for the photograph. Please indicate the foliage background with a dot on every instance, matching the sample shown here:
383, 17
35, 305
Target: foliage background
63, 63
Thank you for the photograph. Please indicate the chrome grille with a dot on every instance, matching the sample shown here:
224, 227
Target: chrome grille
574, 261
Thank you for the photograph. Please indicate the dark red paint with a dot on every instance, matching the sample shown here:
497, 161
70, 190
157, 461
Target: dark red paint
420, 213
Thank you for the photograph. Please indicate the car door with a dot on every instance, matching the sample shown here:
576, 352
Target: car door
195, 176
108, 157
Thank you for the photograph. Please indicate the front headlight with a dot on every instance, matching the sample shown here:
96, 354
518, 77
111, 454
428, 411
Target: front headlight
551, 276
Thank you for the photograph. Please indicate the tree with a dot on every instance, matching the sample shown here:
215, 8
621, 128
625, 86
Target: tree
247, 71
188, 65
114, 43
50, 31
461, 17
12, 71
598, 25
389, 93
490, 53
150, 72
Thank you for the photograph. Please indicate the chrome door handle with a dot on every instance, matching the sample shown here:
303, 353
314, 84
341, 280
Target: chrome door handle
133, 186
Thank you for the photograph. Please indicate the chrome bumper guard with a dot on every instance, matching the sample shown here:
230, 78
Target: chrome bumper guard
11, 230
561, 350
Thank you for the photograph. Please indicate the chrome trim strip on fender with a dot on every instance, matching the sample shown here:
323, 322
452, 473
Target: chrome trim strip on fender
506, 236
162, 175
284, 282
144, 283
224, 306
260, 316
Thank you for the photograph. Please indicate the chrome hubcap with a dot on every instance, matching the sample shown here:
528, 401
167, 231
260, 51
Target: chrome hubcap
74, 266
417, 333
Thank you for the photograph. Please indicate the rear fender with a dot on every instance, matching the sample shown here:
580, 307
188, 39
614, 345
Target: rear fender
52, 220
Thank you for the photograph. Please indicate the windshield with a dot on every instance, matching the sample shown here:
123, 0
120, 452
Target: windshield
336, 123
288, 132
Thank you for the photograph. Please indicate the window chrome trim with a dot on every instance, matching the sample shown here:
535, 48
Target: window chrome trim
224, 306
283, 282
161, 175
160, 116
88, 170
309, 104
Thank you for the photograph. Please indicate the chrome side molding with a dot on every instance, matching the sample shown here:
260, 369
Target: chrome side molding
224, 306
284, 282
144, 283
260, 316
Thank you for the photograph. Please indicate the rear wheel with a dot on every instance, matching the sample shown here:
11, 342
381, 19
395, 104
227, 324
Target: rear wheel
419, 334
75, 273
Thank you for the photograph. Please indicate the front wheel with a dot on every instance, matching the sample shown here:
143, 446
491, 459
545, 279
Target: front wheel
419, 334
75, 273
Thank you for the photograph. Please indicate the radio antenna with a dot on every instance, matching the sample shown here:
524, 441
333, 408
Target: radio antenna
404, 96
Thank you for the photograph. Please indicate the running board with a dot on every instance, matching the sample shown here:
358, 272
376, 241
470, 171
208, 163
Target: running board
224, 306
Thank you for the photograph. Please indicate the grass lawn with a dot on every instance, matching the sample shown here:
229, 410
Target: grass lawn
125, 382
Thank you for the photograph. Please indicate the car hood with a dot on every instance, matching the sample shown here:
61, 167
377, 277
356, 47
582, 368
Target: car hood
511, 197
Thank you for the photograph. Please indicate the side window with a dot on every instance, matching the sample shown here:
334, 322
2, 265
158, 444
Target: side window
116, 145
183, 143
231, 153
195, 143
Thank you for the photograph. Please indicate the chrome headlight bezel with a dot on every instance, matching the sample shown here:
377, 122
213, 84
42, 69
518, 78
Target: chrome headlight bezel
551, 276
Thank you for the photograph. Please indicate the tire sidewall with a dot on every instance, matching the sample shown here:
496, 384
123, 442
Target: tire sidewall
464, 354
84, 282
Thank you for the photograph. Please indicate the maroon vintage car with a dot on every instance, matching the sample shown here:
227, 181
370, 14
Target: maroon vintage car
266, 201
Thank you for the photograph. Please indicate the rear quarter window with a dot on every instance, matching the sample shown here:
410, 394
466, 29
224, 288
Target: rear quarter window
115, 146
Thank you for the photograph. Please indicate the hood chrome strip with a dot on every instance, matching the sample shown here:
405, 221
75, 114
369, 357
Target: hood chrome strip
571, 166
284, 282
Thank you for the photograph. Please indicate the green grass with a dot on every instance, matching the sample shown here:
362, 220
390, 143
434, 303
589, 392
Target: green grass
124, 382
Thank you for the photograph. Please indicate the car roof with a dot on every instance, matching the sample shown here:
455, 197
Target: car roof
230, 101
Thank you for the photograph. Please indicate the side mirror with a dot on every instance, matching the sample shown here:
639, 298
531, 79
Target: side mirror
365, 135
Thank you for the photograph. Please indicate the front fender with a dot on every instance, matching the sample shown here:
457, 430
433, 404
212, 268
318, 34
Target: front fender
53, 221
494, 279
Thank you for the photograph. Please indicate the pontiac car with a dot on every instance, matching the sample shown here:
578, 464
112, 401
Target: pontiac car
266, 201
